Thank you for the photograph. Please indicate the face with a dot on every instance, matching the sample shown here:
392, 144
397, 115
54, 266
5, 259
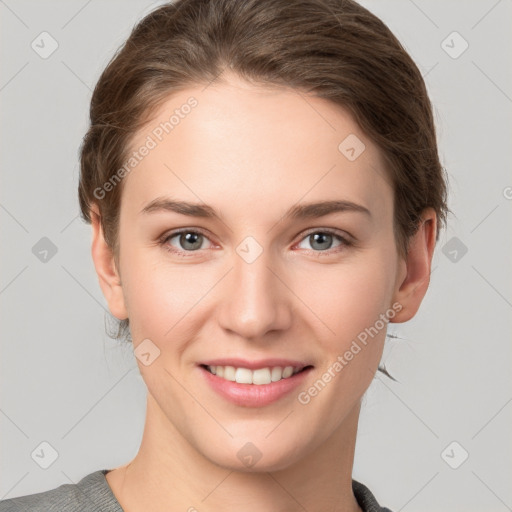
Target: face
259, 279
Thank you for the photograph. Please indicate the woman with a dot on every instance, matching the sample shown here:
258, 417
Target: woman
229, 142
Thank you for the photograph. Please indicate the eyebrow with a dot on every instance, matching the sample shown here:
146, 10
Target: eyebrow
300, 211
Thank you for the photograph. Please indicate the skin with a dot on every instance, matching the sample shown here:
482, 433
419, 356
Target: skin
252, 152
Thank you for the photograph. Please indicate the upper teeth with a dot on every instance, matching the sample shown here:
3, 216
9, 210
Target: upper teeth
259, 376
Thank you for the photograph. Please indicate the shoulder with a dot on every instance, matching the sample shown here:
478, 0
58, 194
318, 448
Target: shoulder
366, 499
91, 493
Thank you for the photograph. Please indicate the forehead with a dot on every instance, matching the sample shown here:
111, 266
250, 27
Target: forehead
255, 145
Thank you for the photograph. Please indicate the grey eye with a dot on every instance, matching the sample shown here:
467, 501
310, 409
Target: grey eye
321, 240
188, 240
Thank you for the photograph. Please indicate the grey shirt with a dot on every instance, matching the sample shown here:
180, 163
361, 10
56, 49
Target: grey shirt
93, 493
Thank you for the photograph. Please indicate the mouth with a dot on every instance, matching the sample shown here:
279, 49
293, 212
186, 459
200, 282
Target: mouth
257, 377
254, 384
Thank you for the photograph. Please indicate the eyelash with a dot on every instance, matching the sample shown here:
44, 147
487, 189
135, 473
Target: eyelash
183, 254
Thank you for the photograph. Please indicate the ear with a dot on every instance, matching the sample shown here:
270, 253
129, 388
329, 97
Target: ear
108, 275
414, 279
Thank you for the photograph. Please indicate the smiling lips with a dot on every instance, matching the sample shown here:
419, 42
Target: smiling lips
251, 383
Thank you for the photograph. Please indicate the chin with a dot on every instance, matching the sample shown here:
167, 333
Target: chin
248, 457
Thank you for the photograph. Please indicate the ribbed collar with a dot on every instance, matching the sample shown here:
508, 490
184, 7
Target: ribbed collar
95, 487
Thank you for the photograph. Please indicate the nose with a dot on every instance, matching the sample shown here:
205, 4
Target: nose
255, 299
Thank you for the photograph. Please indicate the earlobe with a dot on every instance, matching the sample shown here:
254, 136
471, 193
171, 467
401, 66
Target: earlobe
106, 270
412, 287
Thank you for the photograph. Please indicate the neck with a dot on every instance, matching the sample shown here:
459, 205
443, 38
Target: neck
169, 475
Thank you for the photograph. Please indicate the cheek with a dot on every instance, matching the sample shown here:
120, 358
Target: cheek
349, 298
164, 299
353, 307
159, 296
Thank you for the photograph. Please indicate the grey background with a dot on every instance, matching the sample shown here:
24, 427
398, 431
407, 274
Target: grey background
65, 382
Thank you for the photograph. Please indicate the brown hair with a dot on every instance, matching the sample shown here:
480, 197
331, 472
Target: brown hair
333, 49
